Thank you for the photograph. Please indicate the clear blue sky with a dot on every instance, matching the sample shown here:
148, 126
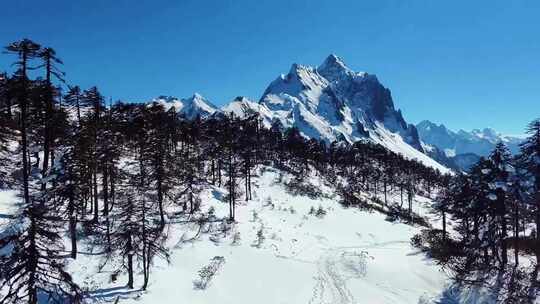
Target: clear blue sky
468, 64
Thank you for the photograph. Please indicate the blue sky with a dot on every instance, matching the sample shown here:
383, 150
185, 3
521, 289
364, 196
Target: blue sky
467, 64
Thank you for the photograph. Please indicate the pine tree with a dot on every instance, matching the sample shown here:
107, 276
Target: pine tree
500, 159
247, 151
25, 50
34, 265
49, 62
94, 98
5, 98
530, 152
73, 99
442, 202
136, 232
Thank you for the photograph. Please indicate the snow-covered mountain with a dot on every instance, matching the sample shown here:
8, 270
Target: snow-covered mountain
242, 106
189, 107
461, 149
479, 142
330, 103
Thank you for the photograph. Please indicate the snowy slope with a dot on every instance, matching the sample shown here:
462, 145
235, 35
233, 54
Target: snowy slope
346, 256
243, 107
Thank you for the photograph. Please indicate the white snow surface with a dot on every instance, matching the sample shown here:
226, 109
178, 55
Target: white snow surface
347, 256
8, 205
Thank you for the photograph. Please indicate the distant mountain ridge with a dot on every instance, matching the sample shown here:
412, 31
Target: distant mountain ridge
480, 142
330, 102
191, 107
461, 149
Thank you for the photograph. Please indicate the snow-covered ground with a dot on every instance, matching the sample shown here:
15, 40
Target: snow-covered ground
8, 205
278, 252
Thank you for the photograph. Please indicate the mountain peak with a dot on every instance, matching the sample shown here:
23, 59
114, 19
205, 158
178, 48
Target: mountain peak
197, 96
428, 125
297, 69
191, 107
333, 60
241, 98
333, 65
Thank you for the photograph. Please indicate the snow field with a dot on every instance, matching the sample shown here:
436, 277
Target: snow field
345, 256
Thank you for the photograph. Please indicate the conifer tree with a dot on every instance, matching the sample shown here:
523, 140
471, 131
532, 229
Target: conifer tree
73, 99
49, 62
500, 160
530, 153
25, 51
33, 266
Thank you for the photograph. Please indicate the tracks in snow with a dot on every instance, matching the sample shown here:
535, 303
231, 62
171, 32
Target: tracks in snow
337, 266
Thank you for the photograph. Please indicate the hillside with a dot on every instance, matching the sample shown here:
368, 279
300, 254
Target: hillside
278, 252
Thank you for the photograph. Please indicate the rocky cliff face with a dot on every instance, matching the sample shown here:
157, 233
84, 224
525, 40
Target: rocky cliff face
332, 101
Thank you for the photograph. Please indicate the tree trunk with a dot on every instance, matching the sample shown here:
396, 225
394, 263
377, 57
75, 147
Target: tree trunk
144, 249
130, 262
96, 203
538, 226
219, 172
213, 172
504, 233
22, 105
401, 195
516, 233
72, 226
78, 111
105, 186
160, 198
246, 180
249, 184
444, 224
385, 185
112, 194
33, 262
47, 130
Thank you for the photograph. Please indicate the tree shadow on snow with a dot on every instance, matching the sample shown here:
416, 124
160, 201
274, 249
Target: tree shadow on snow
455, 294
111, 294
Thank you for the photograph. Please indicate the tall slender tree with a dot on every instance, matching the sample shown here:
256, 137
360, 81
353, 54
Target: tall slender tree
50, 62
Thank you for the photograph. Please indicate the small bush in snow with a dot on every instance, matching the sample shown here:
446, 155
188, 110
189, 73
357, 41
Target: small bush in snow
225, 227
431, 242
274, 236
255, 216
211, 212
297, 186
260, 238
319, 212
269, 203
291, 210
207, 273
236, 239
